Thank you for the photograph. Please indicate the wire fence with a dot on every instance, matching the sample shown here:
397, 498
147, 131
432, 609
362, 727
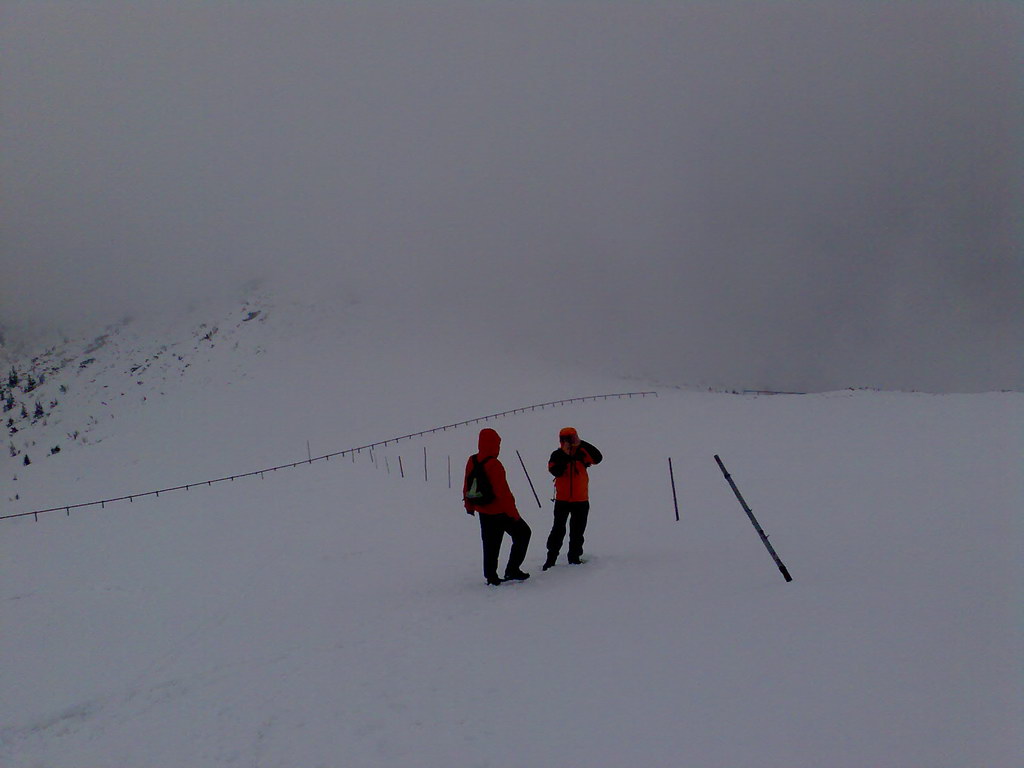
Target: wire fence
102, 503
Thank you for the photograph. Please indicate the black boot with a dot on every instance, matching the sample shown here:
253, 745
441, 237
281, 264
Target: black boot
494, 581
550, 561
516, 575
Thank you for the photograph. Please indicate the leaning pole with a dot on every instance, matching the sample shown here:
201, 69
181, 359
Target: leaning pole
757, 527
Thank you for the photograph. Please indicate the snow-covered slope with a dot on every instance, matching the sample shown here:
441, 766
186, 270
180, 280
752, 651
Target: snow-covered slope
70, 391
335, 614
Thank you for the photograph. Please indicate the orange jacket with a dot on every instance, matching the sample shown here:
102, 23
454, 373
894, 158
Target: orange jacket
572, 483
504, 502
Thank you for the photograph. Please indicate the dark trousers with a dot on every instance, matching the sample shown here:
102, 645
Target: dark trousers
575, 513
492, 530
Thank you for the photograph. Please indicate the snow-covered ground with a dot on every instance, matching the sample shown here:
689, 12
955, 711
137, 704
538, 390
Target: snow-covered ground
334, 614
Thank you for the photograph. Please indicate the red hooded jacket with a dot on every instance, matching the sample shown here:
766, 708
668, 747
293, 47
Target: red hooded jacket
504, 502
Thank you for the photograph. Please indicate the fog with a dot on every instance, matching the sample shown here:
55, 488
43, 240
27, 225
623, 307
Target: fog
796, 196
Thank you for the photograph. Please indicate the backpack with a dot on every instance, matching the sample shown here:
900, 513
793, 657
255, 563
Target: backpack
479, 492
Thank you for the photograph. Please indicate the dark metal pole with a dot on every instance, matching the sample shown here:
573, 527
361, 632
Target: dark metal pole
672, 477
528, 478
760, 532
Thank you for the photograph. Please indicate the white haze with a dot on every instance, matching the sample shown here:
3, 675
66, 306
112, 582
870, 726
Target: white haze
769, 195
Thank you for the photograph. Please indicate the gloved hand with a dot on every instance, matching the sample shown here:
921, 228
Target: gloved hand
559, 464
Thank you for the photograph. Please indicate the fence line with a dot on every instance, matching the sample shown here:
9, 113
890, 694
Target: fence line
102, 503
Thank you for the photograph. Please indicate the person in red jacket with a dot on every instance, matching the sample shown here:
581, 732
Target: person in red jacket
569, 466
499, 516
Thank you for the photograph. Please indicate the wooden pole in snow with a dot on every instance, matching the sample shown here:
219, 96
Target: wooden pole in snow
672, 477
757, 527
529, 480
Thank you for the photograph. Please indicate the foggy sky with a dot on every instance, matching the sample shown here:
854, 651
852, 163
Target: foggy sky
762, 194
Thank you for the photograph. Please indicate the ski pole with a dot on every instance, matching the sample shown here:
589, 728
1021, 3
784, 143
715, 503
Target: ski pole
760, 532
529, 480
